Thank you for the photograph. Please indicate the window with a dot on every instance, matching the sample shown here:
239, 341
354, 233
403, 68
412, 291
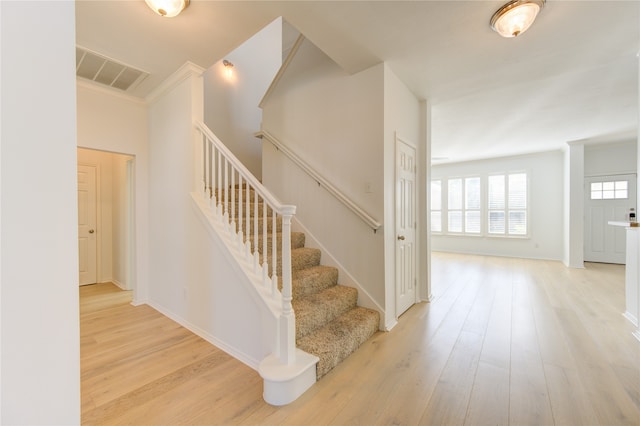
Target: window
472, 202
494, 205
463, 205
507, 204
609, 190
454, 205
436, 206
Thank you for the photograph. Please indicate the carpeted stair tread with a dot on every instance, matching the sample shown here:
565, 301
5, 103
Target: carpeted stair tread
316, 310
302, 258
313, 280
339, 338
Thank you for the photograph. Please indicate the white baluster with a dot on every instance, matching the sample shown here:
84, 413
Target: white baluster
219, 182
226, 192
255, 231
233, 201
265, 255
240, 204
211, 173
248, 220
203, 163
274, 254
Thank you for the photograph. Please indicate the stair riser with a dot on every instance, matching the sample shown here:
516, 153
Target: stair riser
315, 283
313, 313
339, 339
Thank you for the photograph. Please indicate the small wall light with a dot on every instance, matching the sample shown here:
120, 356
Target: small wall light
167, 8
516, 17
228, 68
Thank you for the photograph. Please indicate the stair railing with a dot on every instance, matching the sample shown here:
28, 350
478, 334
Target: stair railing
248, 210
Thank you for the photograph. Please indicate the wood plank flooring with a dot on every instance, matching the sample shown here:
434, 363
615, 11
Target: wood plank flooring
505, 341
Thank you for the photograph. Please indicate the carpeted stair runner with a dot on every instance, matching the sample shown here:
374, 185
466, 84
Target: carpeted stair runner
329, 324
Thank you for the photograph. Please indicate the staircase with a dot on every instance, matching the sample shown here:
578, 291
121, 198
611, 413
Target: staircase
329, 323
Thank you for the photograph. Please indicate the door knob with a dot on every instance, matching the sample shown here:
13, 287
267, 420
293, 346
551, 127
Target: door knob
401, 237
91, 231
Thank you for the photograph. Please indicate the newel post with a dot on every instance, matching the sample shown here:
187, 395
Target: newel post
287, 330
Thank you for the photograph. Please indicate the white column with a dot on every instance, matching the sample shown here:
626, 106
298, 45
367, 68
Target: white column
574, 205
631, 277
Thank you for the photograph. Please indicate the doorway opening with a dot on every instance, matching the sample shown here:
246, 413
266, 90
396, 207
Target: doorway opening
106, 224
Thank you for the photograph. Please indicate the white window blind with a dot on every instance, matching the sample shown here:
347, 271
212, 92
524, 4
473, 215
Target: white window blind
472, 221
507, 204
454, 204
464, 205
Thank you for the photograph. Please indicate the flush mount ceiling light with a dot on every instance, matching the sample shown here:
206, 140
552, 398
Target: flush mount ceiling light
516, 17
167, 8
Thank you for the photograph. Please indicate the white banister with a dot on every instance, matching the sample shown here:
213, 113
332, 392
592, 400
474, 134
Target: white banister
230, 189
339, 195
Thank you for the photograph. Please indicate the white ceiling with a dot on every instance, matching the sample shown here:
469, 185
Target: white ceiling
572, 76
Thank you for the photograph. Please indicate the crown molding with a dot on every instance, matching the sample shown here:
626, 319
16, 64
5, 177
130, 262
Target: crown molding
189, 69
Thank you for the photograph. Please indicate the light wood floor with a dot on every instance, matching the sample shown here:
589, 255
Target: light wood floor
505, 341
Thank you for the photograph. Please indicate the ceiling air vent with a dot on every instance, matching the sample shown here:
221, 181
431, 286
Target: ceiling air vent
103, 70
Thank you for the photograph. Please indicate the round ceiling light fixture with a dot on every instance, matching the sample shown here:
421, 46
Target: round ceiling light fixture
516, 17
167, 8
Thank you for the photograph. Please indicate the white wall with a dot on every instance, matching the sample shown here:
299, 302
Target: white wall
335, 122
192, 279
231, 103
402, 119
114, 122
610, 159
40, 358
546, 207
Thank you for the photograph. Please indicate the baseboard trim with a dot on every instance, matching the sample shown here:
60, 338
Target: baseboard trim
120, 285
631, 318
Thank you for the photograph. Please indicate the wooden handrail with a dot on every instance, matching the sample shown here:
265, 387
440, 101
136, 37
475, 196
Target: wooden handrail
339, 195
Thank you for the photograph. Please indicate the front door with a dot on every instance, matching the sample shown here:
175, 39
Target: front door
607, 198
405, 226
87, 243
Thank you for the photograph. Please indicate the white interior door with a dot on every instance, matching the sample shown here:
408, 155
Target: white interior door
607, 198
405, 226
87, 243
